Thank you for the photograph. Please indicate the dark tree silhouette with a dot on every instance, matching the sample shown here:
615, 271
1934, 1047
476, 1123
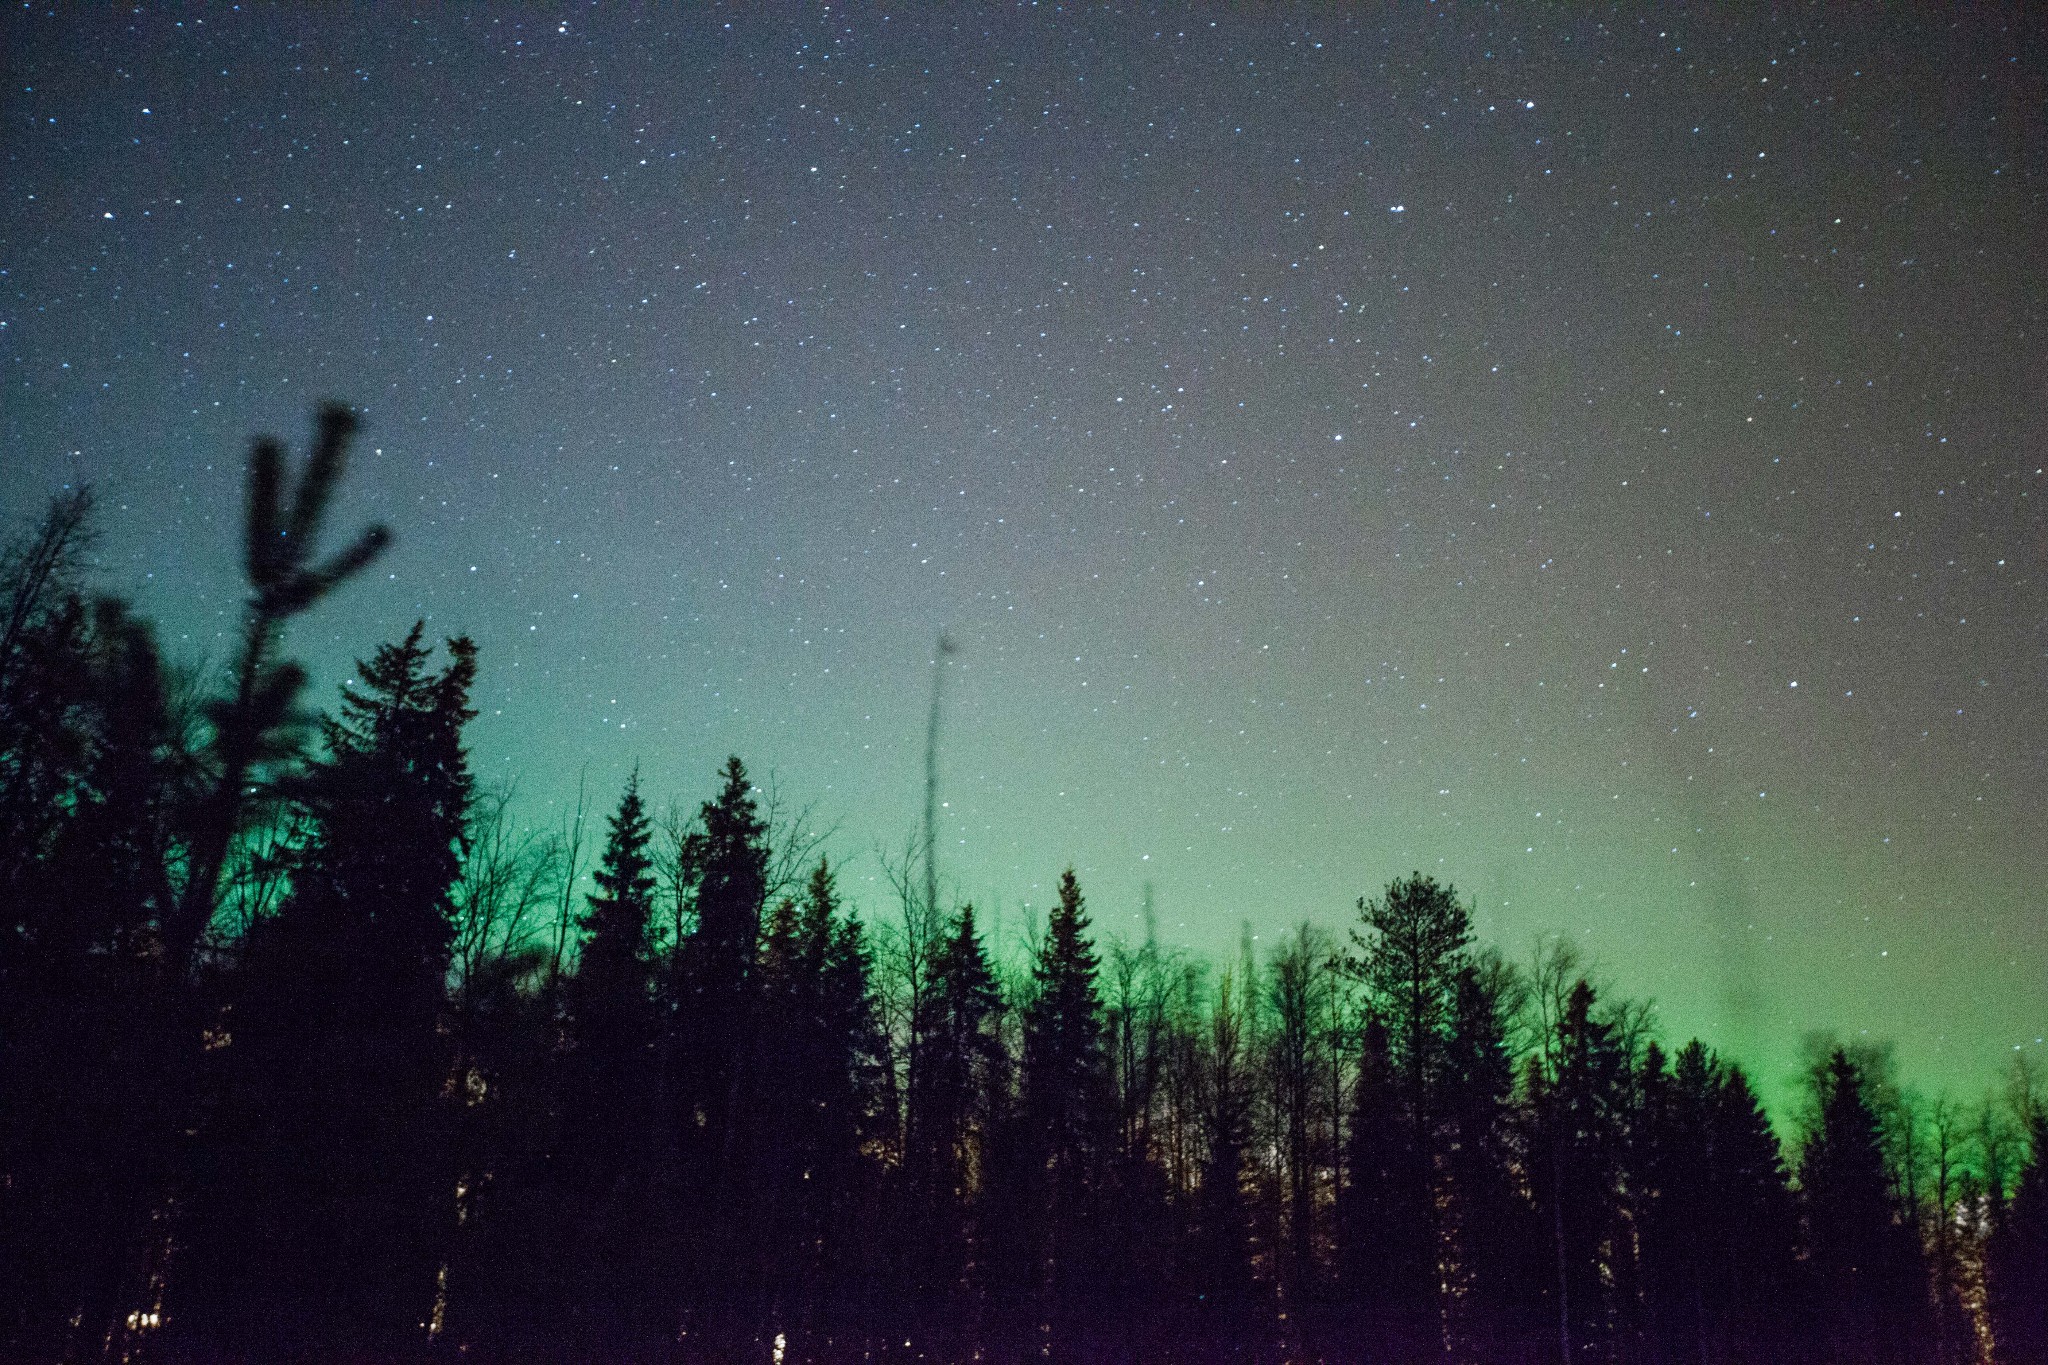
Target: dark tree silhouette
1716, 1226
2017, 1258
311, 1128
1491, 1237
1220, 1273
95, 777
328, 1202
252, 727
1413, 946
962, 1103
1064, 1109
812, 1109
1580, 1107
1388, 1236
1863, 1250
608, 1124
710, 1023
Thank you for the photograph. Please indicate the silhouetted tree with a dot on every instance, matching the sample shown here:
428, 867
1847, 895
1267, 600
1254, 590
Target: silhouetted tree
1064, 1109
1388, 1245
608, 1124
962, 1103
95, 780
329, 1204
1862, 1248
1580, 1102
1716, 1226
2017, 1258
710, 1023
252, 727
1491, 1239
1297, 978
1412, 948
1221, 1246
804, 1116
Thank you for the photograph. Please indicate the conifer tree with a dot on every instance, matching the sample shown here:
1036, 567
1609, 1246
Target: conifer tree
961, 1103
1490, 1238
710, 1023
609, 1142
330, 1201
2016, 1272
1580, 1107
1863, 1252
1387, 1242
1413, 944
810, 1111
1064, 1102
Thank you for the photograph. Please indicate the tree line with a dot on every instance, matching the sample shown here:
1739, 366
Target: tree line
309, 1051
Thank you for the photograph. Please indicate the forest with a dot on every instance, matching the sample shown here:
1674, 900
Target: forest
311, 1050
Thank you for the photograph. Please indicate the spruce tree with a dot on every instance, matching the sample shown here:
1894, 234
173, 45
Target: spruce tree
1752, 1280
1578, 1115
329, 1199
948, 1145
1413, 945
1490, 1236
2016, 1261
1388, 1243
1862, 1248
711, 1023
609, 1143
1065, 1104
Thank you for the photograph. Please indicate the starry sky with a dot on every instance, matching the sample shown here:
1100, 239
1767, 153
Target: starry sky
1594, 458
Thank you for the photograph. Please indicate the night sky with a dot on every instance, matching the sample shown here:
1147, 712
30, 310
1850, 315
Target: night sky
1596, 459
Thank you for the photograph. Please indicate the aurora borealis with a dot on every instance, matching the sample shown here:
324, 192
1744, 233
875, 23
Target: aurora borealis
1592, 457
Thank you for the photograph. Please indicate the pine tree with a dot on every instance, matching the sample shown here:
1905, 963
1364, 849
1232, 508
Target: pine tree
1413, 944
1064, 1104
961, 1103
1490, 1236
609, 1142
330, 1201
2016, 1270
1579, 1112
1863, 1251
711, 1025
